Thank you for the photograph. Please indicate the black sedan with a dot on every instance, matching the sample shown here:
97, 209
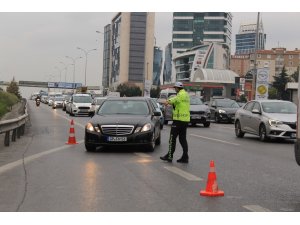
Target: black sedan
223, 109
124, 121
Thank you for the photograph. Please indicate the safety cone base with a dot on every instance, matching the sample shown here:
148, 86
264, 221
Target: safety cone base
75, 143
212, 194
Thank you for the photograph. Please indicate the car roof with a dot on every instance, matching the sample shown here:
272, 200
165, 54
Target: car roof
81, 95
270, 100
128, 98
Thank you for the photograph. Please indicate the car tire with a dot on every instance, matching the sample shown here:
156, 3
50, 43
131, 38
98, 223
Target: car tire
158, 140
151, 146
238, 130
263, 133
194, 124
166, 122
297, 152
90, 148
217, 119
206, 124
161, 126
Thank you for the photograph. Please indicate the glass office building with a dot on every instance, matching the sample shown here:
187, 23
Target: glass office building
245, 39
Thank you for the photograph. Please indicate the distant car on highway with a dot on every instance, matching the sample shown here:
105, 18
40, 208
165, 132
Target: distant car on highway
124, 121
267, 119
80, 104
57, 102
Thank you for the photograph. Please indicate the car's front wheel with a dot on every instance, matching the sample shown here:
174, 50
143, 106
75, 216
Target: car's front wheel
263, 133
238, 129
151, 146
206, 124
90, 148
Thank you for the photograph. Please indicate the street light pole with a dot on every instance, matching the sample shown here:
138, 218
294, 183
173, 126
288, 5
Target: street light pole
86, 52
74, 61
66, 68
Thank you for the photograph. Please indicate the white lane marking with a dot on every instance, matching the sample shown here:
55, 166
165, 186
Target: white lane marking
69, 119
28, 159
256, 208
143, 155
213, 139
182, 173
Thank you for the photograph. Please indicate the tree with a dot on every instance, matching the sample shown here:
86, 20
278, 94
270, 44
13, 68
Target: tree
127, 89
13, 88
295, 75
279, 84
272, 93
154, 92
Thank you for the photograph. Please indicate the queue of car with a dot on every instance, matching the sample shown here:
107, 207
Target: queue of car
135, 121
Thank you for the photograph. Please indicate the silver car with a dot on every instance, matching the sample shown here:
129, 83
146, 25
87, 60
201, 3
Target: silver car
267, 119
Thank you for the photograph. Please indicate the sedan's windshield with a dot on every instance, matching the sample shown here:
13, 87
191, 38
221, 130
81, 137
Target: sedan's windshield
124, 107
82, 99
195, 101
279, 107
227, 104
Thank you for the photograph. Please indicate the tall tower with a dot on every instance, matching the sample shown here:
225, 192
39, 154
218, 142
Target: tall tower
132, 48
191, 29
106, 56
245, 39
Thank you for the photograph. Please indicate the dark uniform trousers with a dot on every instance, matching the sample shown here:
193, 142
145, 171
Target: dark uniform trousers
178, 128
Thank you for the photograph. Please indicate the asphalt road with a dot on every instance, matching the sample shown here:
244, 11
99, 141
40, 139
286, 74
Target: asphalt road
40, 172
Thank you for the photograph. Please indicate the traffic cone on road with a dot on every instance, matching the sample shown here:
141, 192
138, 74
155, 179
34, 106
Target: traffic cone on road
211, 184
72, 139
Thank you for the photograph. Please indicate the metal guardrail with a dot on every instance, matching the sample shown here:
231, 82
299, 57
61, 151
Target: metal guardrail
17, 126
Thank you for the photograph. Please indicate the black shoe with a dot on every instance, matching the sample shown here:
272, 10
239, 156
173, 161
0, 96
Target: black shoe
166, 158
183, 160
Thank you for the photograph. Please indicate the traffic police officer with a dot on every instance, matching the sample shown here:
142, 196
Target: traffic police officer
181, 119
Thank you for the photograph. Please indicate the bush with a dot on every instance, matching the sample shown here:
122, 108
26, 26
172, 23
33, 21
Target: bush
7, 100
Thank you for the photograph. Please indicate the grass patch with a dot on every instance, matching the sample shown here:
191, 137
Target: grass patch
7, 100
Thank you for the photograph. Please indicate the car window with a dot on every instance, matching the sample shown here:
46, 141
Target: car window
279, 107
225, 103
195, 101
256, 106
82, 99
249, 106
130, 107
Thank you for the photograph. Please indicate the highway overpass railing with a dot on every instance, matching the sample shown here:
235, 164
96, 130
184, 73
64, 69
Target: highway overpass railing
16, 126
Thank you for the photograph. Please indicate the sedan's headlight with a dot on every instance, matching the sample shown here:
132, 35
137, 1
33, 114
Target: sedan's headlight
90, 127
275, 122
222, 111
145, 128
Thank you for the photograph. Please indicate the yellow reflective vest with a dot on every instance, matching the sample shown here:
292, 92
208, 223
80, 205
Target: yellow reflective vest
181, 106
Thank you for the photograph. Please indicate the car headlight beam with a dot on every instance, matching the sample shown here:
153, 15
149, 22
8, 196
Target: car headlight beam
222, 111
90, 127
273, 122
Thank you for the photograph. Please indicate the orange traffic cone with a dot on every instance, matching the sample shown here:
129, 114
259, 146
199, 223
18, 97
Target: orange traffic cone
211, 184
72, 139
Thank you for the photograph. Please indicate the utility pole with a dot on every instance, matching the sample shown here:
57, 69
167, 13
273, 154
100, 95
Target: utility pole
255, 59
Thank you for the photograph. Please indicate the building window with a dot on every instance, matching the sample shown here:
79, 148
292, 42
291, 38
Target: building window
290, 56
290, 63
268, 56
259, 56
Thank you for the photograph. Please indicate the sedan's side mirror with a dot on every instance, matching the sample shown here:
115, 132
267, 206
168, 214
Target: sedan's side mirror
255, 111
156, 113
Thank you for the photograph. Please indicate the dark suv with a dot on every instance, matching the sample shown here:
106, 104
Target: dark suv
199, 112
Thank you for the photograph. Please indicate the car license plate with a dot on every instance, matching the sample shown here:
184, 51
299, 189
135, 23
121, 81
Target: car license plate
293, 135
115, 139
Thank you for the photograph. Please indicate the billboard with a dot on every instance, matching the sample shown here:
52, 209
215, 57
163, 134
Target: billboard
262, 84
64, 85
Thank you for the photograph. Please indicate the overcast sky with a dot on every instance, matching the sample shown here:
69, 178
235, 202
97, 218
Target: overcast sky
32, 44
